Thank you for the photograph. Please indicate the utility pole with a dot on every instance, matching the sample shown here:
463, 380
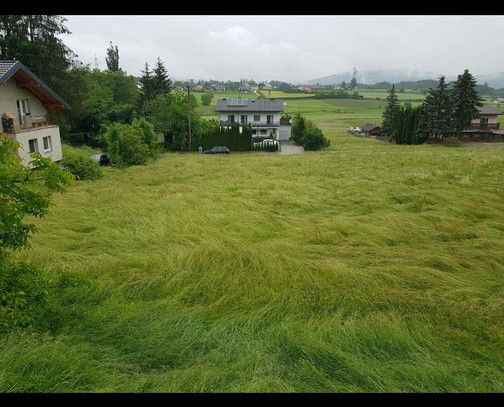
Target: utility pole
189, 114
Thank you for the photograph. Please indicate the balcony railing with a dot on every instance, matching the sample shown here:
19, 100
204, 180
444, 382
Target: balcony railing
478, 126
11, 125
253, 124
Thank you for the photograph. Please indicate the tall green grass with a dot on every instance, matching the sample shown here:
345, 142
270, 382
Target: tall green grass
365, 267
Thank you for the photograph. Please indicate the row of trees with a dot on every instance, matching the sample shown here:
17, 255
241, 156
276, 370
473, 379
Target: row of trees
214, 135
446, 112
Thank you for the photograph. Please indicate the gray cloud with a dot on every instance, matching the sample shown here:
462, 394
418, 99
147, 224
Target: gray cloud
292, 48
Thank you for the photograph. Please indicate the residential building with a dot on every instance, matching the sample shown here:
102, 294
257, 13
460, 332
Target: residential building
305, 88
370, 129
264, 116
244, 87
486, 123
24, 102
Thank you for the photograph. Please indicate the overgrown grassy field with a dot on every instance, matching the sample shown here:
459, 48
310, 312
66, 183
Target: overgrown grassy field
366, 267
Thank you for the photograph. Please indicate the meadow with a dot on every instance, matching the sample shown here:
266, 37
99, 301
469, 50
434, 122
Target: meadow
365, 267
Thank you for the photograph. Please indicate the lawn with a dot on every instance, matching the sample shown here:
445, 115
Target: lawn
366, 267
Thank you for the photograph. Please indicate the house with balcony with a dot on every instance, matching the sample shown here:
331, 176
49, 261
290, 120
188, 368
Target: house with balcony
487, 122
24, 102
264, 116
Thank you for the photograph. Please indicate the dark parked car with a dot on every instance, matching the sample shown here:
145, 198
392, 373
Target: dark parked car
101, 159
217, 150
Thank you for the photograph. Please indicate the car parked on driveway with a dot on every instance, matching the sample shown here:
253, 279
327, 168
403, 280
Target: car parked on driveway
217, 150
101, 159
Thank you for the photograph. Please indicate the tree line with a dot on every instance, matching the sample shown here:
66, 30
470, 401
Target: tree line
445, 112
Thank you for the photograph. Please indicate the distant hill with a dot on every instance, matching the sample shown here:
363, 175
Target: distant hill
495, 80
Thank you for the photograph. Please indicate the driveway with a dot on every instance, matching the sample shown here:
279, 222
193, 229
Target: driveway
289, 147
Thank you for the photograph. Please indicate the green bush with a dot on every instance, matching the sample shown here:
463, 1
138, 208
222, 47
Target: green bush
148, 134
206, 99
211, 134
314, 139
125, 145
452, 142
82, 166
23, 293
305, 133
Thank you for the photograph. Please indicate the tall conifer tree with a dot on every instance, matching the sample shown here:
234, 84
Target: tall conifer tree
465, 101
161, 82
390, 112
436, 120
112, 58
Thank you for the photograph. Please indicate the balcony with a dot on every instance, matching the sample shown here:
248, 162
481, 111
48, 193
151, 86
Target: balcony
253, 124
484, 126
11, 125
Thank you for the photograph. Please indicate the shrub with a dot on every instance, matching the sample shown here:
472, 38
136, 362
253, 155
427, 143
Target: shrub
206, 99
314, 139
298, 128
82, 166
148, 134
210, 135
23, 294
452, 142
125, 145
305, 133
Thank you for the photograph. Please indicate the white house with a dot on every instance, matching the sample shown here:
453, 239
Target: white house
24, 102
264, 116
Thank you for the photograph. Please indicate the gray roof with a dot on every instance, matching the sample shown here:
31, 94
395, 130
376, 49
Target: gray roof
488, 109
249, 105
369, 127
9, 68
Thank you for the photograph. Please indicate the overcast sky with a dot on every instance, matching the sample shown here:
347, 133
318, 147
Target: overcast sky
291, 48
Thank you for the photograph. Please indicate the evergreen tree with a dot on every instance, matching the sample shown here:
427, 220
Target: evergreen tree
112, 58
146, 85
161, 83
353, 83
390, 112
437, 112
465, 101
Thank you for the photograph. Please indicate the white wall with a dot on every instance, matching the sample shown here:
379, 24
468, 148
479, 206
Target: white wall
492, 119
284, 132
39, 133
10, 94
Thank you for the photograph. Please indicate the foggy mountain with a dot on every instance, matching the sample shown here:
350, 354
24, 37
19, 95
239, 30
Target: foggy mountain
495, 80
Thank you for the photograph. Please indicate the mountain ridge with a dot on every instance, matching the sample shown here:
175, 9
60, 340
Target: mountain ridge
369, 77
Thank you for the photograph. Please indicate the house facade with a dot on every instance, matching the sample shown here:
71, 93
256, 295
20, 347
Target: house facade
371, 129
487, 122
24, 102
264, 115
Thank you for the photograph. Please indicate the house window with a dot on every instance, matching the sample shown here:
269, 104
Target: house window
263, 132
243, 119
231, 118
47, 144
254, 131
23, 107
257, 117
484, 122
33, 145
269, 119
